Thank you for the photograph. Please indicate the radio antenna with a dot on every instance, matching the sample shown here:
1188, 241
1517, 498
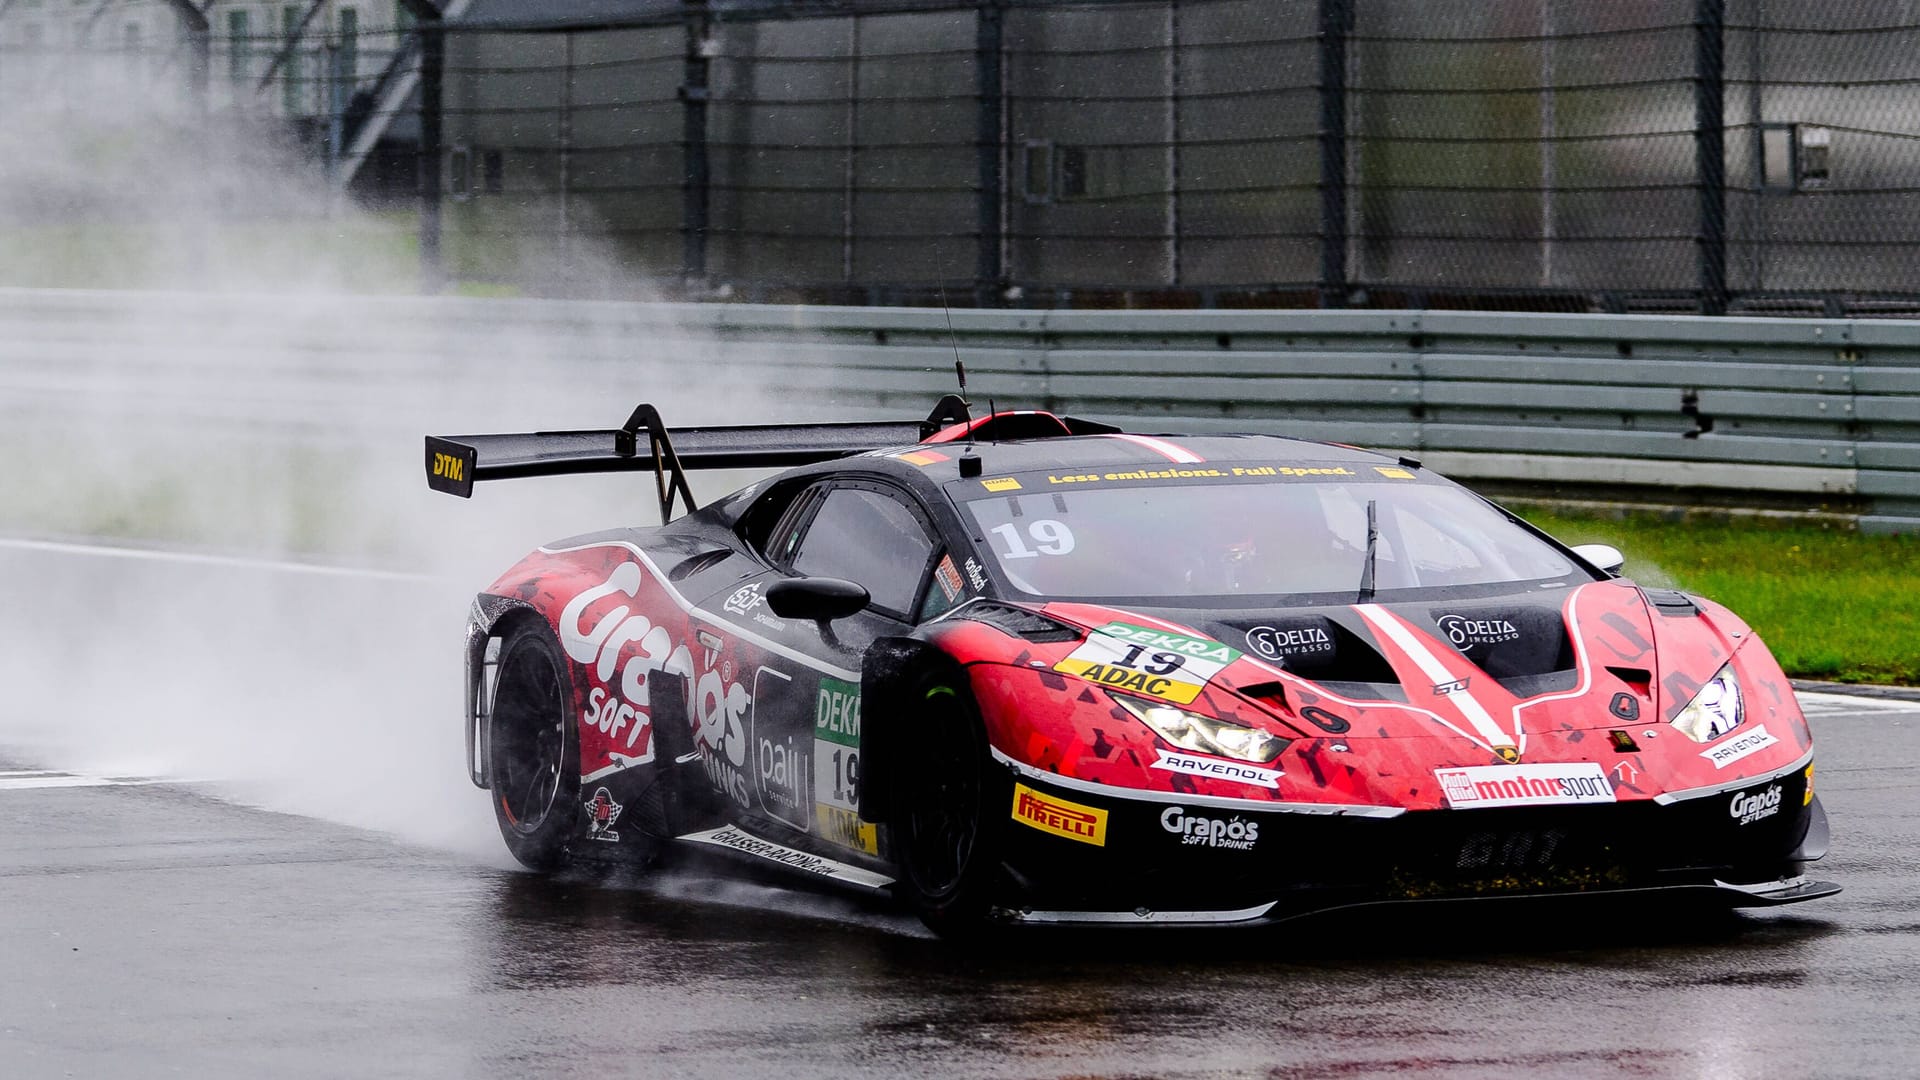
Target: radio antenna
953, 339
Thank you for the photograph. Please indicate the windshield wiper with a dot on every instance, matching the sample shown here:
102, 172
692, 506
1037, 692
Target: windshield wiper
1373, 541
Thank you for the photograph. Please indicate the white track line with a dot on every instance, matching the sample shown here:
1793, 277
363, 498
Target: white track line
1829, 704
35, 781
231, 562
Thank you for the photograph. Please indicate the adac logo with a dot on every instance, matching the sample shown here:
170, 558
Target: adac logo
602, 812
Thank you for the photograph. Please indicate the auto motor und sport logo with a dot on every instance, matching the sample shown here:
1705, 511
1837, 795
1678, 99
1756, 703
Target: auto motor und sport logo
1071, 820
1537, 784
1749, 807
1465, 632
1233, 833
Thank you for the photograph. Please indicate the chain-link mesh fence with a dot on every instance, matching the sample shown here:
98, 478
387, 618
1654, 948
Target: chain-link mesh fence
1529, 153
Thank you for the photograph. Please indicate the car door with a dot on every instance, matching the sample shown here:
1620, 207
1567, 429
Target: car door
780, 706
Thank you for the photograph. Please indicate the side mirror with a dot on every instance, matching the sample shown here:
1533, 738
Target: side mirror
1603, 556
821, 599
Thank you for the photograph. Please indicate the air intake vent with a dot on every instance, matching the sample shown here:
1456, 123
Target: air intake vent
1021, 623
1524, 647
1671, 602
1320, 649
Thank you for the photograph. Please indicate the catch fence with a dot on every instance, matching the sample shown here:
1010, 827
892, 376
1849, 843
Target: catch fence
1635, 155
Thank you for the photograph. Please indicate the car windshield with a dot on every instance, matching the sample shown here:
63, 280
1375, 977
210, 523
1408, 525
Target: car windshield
1290, 538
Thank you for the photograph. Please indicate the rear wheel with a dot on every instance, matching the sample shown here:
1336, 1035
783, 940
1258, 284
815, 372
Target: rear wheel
948, 821
533, 764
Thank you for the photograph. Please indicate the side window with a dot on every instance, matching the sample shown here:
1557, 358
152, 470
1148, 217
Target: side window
866, 536
771, 526
945, 593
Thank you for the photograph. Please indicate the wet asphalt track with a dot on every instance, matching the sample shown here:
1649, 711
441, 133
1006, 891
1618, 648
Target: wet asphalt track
161, 929
152, 929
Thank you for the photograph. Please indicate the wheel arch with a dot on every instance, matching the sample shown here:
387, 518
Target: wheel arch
489, 620
889, 671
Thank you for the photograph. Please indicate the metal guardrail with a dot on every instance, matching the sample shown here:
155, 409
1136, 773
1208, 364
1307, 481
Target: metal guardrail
1810, 412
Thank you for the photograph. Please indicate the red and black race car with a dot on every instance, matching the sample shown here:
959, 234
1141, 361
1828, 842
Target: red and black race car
1031, 668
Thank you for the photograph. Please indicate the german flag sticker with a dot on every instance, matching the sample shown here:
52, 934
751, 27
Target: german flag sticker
923, 458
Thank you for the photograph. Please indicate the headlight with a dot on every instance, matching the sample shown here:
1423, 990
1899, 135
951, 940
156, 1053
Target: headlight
1205, 734
1714, 711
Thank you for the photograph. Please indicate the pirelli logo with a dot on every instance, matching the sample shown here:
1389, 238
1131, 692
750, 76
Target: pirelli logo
1059, 817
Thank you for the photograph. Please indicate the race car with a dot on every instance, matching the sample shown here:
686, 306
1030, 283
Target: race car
1029, 668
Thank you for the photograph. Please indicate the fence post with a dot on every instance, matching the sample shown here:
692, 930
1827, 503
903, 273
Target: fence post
696, 170
1336, 22
431, 30
990, 139
433, 63
199, 51
1710, 150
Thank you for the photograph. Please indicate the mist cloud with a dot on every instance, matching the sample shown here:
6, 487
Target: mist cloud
255, 399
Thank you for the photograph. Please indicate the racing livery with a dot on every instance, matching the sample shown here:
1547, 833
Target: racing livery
1030, 668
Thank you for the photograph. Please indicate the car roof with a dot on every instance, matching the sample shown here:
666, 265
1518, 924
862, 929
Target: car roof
939, 461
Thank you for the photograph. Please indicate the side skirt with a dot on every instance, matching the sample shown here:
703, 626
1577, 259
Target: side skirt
757, 851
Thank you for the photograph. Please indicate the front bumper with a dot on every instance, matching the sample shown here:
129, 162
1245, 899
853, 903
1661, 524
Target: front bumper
1162, 860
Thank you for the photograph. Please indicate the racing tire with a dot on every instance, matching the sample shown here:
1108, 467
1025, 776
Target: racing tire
948, 824
533, 761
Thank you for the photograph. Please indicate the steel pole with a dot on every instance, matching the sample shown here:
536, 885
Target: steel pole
199, 51
990, 147
1710, 150
430, 29
696, 167
1336, 23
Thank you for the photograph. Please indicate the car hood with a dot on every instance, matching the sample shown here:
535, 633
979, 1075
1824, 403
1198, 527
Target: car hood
1492, 670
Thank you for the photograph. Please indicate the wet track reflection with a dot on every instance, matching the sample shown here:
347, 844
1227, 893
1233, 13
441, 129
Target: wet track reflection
154, 928
1498, 989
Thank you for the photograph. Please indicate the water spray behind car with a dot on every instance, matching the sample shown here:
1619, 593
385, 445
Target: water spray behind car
254, 413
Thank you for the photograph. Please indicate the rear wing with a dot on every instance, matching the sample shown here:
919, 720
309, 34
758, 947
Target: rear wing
456, 462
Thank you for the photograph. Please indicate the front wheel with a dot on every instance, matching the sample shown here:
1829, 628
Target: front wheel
949, 823
532, 760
